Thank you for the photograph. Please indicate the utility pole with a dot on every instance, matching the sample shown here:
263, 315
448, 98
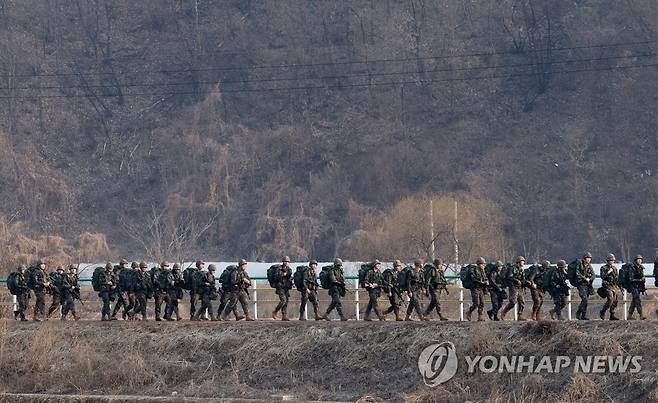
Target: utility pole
454, 235
431, 229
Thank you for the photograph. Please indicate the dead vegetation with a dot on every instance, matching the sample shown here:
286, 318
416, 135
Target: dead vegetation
315, 361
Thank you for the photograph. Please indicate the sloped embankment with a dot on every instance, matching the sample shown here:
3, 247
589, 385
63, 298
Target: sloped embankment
315, 361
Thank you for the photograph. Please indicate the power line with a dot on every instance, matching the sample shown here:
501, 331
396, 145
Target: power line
326, 87
351, 62
345, 76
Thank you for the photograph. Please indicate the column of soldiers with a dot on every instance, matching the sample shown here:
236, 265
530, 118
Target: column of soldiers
130, 286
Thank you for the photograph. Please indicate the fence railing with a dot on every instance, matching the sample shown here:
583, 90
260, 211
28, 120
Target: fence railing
263, 296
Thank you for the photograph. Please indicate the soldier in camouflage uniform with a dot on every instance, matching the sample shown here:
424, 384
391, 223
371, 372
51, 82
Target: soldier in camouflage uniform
515, 277
310, 291
415, 286
194, 294
41, 284
584, 280
611, 288
435, 281
238, 289
121, 295
56, 288
558, 289
373, 285
159, 296
393, 292
480, 285
173, 281
534, 278
143, 290
131, 294
107, 283
23, 295
638, 286
206, 288
70, 292
282, 287
337, 290
496, 290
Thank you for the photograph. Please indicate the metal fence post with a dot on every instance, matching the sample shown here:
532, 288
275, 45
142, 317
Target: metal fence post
625, 306
356, 298
15, 302
461, 301
255, 299
569, 304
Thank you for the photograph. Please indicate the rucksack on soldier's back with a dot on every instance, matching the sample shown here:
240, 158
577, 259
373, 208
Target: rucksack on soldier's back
403, 278
188, 278
324, 277
12, 283
225, 277
572, 269
127, 279
31, 280
466, 276
546, 278
96, 278
273, 275
625, 276
298, 277
363, 272
155, 276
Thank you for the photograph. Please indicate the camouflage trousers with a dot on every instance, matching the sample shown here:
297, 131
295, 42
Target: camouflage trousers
336, 304
496, 303
132, 303
121, 302
223, 301
434, 301
559, 301
55, 304
537, 299
106, 298
395, 302
284, 297
140, 309
308, 296
206, 305
22, 301
172, 304
414, 304
235, 297
159, 298
636, 302
611, 301
516, 297
477, 300
68, 305
373, 302
194, 298
583, 293
40, 304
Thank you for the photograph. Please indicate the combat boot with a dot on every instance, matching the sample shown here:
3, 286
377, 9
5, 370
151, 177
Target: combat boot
642, 317
408, 318
23, 318
480, 316
237, 318
490, 314
520, 317
381, 317
468, 314
441, 317
602, 315
249, 319
284, 317
16, 315
367, 317
326, 317
157, 318
103, 318
274, 315
503, 313
317, 317
613, 317
222, 317
63, 318
301, 316
343, 318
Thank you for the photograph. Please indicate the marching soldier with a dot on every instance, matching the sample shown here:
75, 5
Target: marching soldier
392, 288
611, 288
22, 294
337, 290
435, 281
584, 279
174, 289
516, 279
415, 286
238, 288
282, 287
122, 299
480, 284
56, 288
558, 289
40, 284
70, 292
496, 290
108, 285
143, 290
310, 291
534, 278
373, 285
637, 284
206, 288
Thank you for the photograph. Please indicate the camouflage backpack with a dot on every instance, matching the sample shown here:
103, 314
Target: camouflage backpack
434, 276
163, 280
403, 278
298, 277
273, 275
188, 278
12, 283
155, 276
324, 277
31, 277
127, 279
546, 279
572, 270
466, 276
625, 276
363, 273
225, 277
96, 278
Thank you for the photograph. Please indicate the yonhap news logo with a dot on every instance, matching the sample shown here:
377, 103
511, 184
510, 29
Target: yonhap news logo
438, 363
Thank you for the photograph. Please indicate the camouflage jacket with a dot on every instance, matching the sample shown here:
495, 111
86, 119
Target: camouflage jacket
57, 282
107, 280
391, 279
285, 278
535, 275
143, 283
415, 281
40, 278
479, 278
496, 281
558, 283
310, 279
515, 276
584, 273
435, 278
207, 283
636, 276
374, 279
336, 277
611, 279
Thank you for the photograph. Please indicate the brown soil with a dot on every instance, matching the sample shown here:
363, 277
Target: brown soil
314, 360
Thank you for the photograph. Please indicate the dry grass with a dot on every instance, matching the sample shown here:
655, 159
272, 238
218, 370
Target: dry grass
353, 361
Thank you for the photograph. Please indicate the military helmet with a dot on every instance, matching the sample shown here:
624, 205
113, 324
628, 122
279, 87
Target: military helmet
134, 265
397, 263
561, 263
545, 264
338, 262
587, 254
376, 262
638, 257
176, 266
480, 260
242, 262
72, 266
313, 262
520, 259
438, 262
40, 262
123, 261
164, 264
212, 267
499, 263
610, 258
59, 268
418, 262
143, 265
22, 267
108, 265
199, 263
285, 259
